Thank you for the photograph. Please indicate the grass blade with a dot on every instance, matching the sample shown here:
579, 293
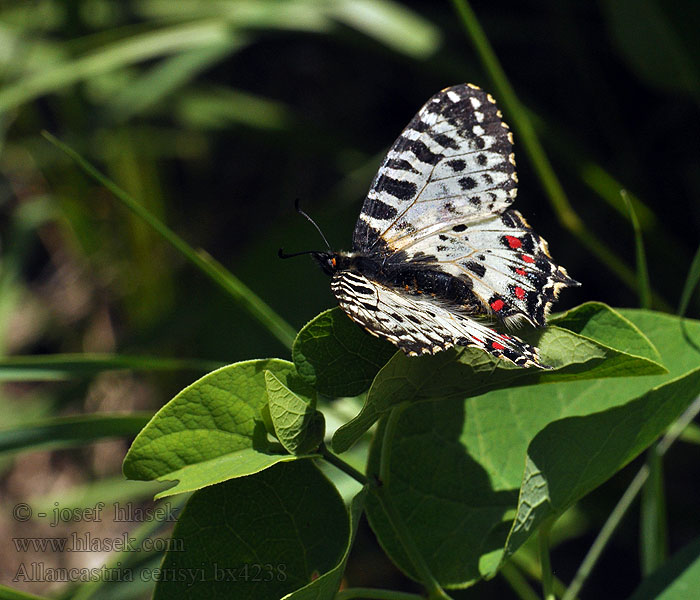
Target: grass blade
242, 294
691, 282
138, 48
66, 366
653, 523
74, 430
7, 593
644, 290
526, 132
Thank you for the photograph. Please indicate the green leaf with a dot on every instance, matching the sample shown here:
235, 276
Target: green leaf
338, 357
605, 325
677, 579
298, 425
258, 537
605, 345
211, 431
326, 586
556, 477
456, 472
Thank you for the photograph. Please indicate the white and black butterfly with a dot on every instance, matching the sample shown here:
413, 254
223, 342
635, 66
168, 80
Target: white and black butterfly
436, 251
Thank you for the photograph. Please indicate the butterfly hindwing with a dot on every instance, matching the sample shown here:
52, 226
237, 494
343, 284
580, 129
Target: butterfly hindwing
508, 266
420, 326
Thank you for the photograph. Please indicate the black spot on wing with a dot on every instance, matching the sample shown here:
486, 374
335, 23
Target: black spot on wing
399, 188
423, 153
445, 141
382, 211
400, 165
478, 269
457, 164
467, 183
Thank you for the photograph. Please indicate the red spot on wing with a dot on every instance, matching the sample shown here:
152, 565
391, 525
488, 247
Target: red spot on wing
528, 259
513, 242
519, 292
497, 346
520, 271
497, 305
476, 339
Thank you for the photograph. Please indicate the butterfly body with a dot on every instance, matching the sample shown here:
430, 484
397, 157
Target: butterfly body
437, 252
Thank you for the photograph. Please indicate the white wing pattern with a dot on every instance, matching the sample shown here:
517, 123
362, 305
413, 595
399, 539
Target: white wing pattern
419, 326
436, 244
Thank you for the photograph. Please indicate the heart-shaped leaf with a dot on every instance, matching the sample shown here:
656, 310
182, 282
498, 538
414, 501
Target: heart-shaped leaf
211, 431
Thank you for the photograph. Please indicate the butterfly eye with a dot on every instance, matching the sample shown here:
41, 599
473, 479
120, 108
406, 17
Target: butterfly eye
333, 262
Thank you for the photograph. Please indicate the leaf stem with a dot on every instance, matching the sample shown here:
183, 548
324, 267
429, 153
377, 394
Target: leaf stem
339, 463
243, 295
381, 492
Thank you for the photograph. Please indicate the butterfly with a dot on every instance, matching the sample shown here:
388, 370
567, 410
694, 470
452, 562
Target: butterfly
437, 253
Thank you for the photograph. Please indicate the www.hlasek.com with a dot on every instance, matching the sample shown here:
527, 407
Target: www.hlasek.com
86, 542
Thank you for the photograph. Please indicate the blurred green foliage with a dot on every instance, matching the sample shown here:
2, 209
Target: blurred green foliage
216, 114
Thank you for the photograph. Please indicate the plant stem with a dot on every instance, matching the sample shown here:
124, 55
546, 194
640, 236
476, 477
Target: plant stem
644, 290
381, 492
245, 297
339, 463
625, 502
373, 593
545, 564
526, 132
653, 530
691, 281
517, 582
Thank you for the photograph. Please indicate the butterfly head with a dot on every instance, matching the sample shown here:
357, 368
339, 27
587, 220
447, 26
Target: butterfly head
328, 261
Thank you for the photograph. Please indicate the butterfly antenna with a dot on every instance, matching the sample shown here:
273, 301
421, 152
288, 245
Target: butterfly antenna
310, 220
282, 254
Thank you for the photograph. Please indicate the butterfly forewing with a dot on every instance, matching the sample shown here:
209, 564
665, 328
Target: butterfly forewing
452, 164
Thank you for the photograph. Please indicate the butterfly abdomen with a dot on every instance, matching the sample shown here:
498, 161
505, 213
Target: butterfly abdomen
414, 279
